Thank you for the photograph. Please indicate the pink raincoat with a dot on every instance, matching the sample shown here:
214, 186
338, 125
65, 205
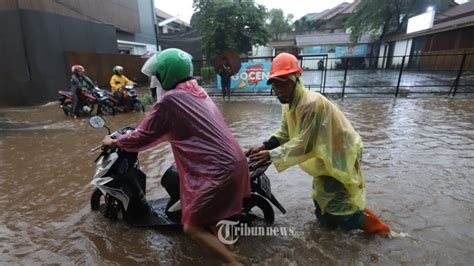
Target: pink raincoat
213, 170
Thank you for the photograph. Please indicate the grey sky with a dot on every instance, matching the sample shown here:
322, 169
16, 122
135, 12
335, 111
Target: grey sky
298, 8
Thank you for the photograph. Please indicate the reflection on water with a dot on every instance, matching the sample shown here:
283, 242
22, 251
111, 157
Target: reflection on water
418, 161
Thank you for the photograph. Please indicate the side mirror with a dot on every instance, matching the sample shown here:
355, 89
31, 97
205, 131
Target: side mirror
97, 122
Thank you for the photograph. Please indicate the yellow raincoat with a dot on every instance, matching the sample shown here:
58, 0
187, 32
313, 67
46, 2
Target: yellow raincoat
316, 135
116, 82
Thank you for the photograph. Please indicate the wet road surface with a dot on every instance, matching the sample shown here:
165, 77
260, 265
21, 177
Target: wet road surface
418, 162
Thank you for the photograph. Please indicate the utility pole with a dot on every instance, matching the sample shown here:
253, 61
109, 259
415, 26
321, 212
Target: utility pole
153, 13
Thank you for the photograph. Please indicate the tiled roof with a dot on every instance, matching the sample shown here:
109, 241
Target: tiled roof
457, 17
342, 8
460, 10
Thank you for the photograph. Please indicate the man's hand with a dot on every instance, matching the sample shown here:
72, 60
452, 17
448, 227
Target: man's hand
260, 157
254, 149
109, 142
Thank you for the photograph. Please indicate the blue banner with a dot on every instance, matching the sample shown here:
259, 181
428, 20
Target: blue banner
359, 50
315, 50
251, 76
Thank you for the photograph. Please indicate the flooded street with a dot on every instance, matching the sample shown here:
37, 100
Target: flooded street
418, 162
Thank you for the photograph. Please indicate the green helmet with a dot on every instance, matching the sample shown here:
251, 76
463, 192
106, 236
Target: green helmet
171, 66
117, 70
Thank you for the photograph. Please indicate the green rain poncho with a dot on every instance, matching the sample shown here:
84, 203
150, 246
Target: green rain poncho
316, 135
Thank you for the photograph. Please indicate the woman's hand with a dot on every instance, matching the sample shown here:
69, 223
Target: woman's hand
109, 142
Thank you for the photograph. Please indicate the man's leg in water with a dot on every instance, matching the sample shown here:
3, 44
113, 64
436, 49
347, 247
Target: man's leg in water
209, 241
360, 219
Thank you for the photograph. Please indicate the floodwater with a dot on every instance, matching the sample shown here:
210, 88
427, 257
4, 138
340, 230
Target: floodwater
418, 163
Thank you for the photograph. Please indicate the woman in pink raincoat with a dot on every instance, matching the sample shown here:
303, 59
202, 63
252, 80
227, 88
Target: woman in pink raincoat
213, 170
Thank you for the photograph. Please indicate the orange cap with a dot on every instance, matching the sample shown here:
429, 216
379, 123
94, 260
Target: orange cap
284, 64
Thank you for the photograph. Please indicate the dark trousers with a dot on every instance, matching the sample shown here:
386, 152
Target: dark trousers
77, 102
170, 181
225, 84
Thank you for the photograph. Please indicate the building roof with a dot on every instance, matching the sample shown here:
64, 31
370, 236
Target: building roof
162, 14
342, 8
460, 10
329, 39
457, 17
335, 11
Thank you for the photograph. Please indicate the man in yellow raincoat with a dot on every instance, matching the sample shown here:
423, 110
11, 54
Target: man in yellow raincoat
316, 135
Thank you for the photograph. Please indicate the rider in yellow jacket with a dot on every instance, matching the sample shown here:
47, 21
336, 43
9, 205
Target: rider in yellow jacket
117, 81
317, 136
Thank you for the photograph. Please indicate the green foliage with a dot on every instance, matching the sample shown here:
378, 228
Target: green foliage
230, 25
303, 24
147, 99
381, 17
208, 75
278, 22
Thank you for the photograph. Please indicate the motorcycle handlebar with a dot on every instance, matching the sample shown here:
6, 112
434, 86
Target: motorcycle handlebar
96, 148
114, 135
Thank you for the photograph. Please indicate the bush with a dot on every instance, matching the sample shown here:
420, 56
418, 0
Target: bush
147, 99
208, 75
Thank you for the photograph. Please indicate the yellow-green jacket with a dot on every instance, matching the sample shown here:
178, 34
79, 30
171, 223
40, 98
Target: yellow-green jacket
116, 82
316, 135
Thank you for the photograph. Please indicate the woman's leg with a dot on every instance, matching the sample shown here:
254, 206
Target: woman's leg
209, 241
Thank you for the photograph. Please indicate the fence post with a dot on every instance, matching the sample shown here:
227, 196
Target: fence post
346, 60
400, 76
456, 83
209, 72
325, 71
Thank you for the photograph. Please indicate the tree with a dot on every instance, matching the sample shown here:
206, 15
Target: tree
381, 17
230, 25
303, 24
278, 22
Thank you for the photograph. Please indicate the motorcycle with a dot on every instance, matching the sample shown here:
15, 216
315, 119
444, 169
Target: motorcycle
130, 100
106, 107
89, 98
120, 190
65, 103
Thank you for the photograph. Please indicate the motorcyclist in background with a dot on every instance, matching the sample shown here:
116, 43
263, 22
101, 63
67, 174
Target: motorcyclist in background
117, 81
79, 81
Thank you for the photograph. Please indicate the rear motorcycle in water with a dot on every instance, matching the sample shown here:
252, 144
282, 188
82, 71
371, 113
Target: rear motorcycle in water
87, 98
130, 100
105, 106
120, 188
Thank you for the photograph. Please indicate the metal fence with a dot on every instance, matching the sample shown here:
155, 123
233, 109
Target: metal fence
392, 76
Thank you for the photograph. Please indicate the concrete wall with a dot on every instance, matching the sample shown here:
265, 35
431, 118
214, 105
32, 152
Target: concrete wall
146, 15
402, 48
32, 49
261, 51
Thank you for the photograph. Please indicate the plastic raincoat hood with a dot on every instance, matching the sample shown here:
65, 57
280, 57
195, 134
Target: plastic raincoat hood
316, 135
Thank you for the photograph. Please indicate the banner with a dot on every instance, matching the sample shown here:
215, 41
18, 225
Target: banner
359, 50
251, 76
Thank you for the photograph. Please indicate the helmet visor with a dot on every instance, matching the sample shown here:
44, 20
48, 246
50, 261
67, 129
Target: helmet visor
149, 68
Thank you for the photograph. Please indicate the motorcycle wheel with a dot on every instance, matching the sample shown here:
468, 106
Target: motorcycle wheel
106, 109
138, 106
96, 199
67, 108
257, 209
